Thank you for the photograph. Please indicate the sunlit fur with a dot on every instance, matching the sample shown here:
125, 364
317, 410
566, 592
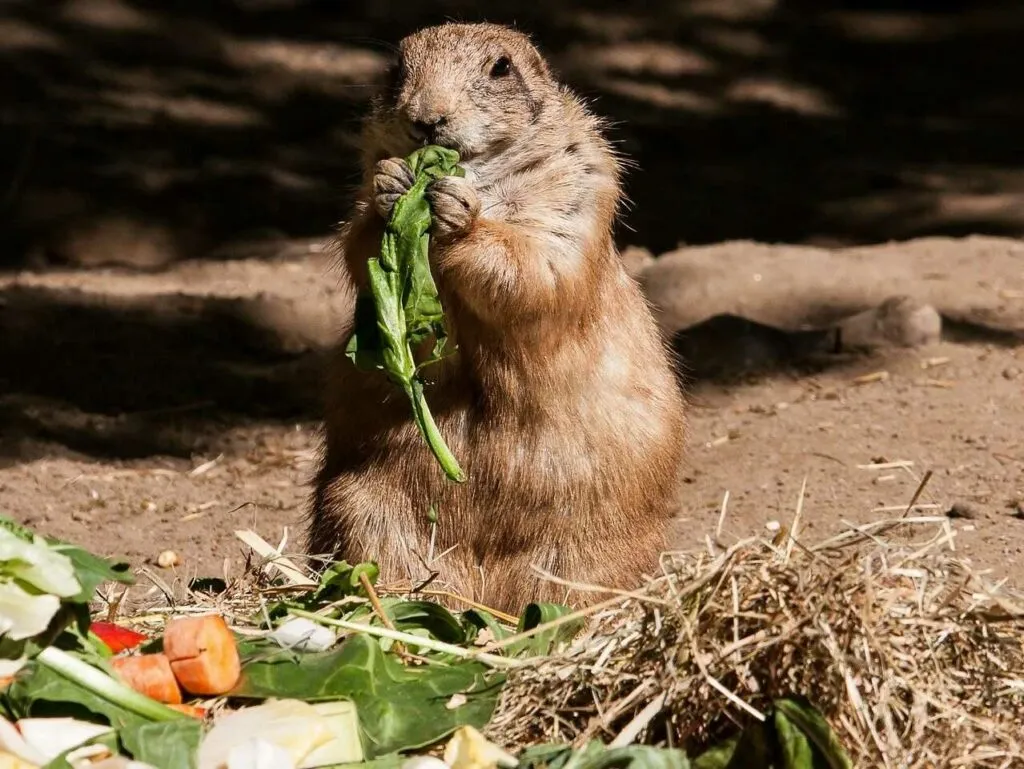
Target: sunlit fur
561, 403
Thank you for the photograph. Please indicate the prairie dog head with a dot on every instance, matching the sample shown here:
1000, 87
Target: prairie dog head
476, 88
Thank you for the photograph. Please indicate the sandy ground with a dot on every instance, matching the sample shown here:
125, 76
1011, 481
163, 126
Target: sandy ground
198, 455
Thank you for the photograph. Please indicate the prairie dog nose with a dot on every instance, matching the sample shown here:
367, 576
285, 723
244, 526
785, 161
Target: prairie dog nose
426, 129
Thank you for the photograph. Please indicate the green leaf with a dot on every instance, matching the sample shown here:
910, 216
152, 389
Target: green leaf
594, 755
38, 691
342, 579
717, 756
753, 748
549, 755
798, 715
399, 708
794, 749
339, 580
440, 623
365, 345
401, 308
536, 614
166, 745
390, 761
480, 619
639, 757
533, 615
92, 571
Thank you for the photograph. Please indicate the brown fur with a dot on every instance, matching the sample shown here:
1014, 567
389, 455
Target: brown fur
561, 403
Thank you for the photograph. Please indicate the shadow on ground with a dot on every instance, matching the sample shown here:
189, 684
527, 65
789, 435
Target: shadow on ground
104, 377
144, 134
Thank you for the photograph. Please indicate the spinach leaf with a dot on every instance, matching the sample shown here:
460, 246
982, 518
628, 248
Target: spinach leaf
402, 308
594, 755
399, 707
167, 744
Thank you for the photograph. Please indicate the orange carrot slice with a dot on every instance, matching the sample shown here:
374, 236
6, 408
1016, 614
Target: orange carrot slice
150, 674
203, 654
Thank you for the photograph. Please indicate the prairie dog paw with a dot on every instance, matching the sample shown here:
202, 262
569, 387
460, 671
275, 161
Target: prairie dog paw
454, 203
392, 178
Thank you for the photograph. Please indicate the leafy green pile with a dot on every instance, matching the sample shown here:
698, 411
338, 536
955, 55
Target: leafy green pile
402, 309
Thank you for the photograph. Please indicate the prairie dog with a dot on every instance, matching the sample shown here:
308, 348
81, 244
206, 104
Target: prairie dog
561, 402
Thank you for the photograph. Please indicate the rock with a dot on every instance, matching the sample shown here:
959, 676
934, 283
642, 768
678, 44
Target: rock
899, 321
636, 259
168, 559
799, 288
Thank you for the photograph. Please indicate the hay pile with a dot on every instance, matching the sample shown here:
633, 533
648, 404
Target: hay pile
914, 658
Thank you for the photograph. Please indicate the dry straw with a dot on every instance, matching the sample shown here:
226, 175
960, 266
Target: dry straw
914, 658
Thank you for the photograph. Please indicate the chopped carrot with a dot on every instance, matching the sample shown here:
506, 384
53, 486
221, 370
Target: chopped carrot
150, 674
190, 710
203, 654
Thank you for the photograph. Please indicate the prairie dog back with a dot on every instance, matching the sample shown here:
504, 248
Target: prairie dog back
561, 401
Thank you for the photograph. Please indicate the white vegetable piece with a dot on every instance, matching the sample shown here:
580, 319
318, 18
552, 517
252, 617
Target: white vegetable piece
304, 635
12, 744
33, 578
259, 754
37, 563
310, 735
53, 736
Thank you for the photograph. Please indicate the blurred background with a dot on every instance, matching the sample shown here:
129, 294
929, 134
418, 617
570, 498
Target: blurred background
142, 132
171, 171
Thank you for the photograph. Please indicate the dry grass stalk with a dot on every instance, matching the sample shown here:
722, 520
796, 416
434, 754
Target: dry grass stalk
912, 656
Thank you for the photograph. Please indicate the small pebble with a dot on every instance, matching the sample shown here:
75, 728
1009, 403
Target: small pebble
1011, 373
168, 559
773, 526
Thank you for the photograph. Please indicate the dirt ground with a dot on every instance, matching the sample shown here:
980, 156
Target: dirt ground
193, 460
164, 298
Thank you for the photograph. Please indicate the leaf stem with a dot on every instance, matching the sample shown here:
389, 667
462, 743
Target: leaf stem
449, 463
99, 683
492, 660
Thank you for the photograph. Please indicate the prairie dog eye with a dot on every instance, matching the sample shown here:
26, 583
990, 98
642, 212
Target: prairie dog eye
502, 67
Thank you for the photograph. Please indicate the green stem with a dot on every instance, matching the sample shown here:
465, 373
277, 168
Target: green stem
102, 685
492, 660
440, 449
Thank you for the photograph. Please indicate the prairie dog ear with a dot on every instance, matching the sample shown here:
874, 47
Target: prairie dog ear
538, 63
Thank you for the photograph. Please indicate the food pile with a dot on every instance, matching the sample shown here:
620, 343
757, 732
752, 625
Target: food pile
311, 672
